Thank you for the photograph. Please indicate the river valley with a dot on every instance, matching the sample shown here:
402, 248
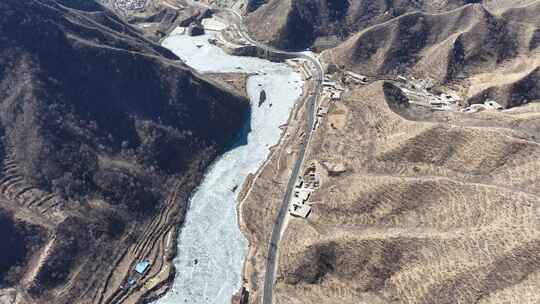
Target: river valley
211, 247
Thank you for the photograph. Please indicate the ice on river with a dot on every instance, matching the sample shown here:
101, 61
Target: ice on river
210, 58
211, 247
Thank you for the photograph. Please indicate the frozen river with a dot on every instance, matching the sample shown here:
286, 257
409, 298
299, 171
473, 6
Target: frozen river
211, 247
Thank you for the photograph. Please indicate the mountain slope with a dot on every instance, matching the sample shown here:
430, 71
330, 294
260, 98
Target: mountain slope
415, 203
487, 49
99, 126
442, 209
155, 18
298, 24
496, 55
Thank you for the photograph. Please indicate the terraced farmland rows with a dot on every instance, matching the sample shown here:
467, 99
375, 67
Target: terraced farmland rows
152, 246
16, 188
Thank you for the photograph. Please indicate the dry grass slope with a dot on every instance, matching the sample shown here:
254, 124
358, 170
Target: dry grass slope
489, 49
438, 209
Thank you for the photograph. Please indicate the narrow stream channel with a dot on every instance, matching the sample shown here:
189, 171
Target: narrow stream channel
211, 248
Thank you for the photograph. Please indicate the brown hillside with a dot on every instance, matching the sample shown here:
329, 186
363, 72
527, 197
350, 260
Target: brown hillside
427, 211
492, 56
299, 24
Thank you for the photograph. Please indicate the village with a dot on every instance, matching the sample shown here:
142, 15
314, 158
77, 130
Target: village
423, 92
230, 39
130, 4
309, 182
304, 187
419, 92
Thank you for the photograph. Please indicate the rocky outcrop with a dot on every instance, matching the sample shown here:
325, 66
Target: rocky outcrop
196, 29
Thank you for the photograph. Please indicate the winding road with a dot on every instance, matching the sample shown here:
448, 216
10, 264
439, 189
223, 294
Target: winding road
277, 229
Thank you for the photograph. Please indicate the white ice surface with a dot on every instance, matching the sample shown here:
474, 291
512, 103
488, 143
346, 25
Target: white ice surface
210, 233
210, 58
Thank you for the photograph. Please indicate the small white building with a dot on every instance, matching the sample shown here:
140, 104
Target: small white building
336, 95
300, 210
474, 108
299, 182
357, 77
491, 104
331, 84
402, 79
322, 111
302, 194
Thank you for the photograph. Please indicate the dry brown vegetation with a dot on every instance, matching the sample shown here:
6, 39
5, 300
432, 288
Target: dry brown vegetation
438, 209
492, 55
416, 206
487, 48
321, 23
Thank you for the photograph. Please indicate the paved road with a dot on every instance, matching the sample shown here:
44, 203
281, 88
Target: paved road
318, 75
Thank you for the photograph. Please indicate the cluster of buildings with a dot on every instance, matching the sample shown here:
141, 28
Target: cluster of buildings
304, 66
298, 206
130, 4
332, 92
332, 89
305, 185
312, 178
421, 92
350, 77
489, 105
213, 24
228, 37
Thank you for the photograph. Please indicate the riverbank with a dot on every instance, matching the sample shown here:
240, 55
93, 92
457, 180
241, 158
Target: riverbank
269, 184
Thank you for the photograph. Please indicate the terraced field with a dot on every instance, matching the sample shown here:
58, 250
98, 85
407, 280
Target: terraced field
156, 244
14, 187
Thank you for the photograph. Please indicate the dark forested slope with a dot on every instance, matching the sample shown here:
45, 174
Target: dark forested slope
96, 121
